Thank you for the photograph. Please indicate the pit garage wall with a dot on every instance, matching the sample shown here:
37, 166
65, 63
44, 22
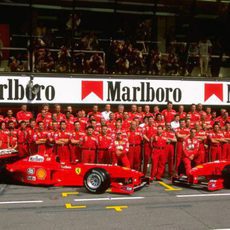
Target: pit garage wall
104, 89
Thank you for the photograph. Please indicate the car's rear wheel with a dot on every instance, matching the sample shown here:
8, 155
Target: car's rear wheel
97, 180
226, 176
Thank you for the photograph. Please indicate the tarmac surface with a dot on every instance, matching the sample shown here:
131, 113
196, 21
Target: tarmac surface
158, 206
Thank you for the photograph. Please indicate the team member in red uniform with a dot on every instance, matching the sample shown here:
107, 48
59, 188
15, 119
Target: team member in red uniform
159, 156
181, 134
44, 118
24, 115
119, 148
134, 114
126, 121
4, 134
226, 146
216, 138
150, 130
223, 119
44, 114
40, 138
208, 111
169, 150
62, 143
181, 112
60, 115
159, 120
95, 113
104, 141
11, 127
9, 117
22, 135
111, 123
200, 110
169, 113
12, 142
82, 119
156, 110
88, 145
194, 115
120, 111
30, 138
147, 112
52, 135
191, 151
202, 137
134, 153
76, 136
118, 128
69, 121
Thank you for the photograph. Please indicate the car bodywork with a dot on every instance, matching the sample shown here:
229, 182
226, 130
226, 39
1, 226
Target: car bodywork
44, 170
213, 175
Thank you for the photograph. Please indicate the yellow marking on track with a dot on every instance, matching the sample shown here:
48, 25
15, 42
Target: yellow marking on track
168, 187
70, 206
117, 208
65, 194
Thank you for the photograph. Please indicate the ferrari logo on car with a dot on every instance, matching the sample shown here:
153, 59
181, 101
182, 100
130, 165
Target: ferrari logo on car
78, 171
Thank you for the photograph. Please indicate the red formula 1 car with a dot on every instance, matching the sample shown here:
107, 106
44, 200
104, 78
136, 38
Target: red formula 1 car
96, 178
213, 175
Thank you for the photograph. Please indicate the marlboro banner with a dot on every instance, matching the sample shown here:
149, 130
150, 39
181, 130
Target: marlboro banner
15, 89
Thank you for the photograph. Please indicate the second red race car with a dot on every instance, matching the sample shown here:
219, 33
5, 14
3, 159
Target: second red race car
212, 175
44, 170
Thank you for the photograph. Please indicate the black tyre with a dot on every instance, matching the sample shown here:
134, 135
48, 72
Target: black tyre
97, 180
226, 176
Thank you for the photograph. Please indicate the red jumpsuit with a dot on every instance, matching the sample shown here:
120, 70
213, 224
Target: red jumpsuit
12, 141
7, 119
41, 148
149, 132
190, 147
195, 116
179, 145
168, 115
202, 151
97, 116
24, 116
88, 149
215, 148
123, 147
31, 143
75, 148
226, 147
4, 138
103, 153
134, 153
159, 156
23, 149
169, 149
63, 150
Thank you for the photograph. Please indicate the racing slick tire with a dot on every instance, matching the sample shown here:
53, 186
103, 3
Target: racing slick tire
97, 180
226, 176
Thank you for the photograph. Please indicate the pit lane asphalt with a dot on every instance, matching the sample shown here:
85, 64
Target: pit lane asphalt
150, 208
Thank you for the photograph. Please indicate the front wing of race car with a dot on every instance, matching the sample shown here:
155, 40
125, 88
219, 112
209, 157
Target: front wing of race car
212, 175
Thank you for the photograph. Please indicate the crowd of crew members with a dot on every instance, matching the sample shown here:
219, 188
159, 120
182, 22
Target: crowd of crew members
135, 139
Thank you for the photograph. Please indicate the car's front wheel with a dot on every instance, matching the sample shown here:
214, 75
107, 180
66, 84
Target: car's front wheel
97, 180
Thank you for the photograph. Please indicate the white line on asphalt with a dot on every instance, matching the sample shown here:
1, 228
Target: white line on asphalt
111, 198
22, 202
203, 195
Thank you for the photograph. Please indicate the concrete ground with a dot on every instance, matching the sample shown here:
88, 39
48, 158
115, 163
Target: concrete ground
155, 207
